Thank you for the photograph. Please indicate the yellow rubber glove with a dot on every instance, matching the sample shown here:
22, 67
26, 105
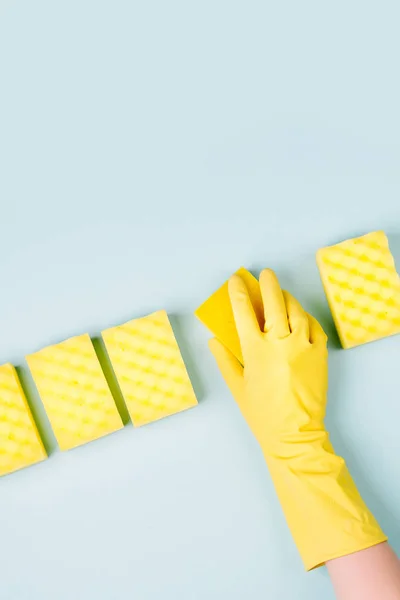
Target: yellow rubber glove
282, 393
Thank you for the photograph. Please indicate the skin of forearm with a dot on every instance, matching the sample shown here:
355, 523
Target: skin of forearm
371, 574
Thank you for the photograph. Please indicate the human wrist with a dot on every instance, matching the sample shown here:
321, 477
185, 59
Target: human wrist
297, 445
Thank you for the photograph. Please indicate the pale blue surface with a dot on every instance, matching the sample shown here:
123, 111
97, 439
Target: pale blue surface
148, 149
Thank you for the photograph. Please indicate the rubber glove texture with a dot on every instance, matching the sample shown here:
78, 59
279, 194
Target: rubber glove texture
282, 392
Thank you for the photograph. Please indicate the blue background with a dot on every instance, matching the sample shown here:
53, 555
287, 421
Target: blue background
147, 150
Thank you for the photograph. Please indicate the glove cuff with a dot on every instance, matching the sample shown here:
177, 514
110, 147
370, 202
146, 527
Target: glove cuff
323, 508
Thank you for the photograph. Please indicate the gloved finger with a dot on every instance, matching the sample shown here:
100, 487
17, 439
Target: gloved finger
317, 334
230, 367
245, 318
276, 319
297, 317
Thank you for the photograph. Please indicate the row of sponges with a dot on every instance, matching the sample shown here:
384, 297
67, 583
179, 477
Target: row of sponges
363, 290
148, 367
361, 284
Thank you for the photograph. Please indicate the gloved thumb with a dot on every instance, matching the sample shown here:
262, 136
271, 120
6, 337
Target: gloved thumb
230, 367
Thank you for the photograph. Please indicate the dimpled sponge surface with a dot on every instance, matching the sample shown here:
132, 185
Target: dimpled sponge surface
74, 392
20, 444
216, 313
149, 368
362, 287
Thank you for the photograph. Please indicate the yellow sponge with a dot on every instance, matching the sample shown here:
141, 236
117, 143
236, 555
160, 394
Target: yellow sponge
20, 444
216, 313
149, 368
362, 287
74, 392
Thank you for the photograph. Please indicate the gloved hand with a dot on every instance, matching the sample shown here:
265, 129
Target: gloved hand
282, 393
